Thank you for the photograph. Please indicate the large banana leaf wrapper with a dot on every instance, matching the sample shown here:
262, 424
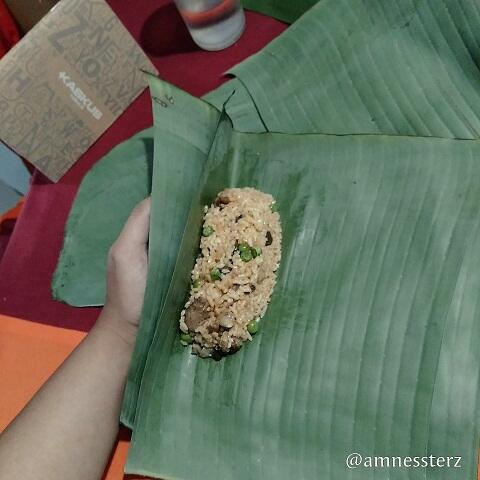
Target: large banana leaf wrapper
374, 307
369, 342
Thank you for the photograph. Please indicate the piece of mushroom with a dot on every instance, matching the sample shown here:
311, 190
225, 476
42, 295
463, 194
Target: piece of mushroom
226, 320
221, 200
196, 314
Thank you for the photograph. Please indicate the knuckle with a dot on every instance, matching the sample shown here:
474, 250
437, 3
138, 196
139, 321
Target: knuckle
121, 252
116, 251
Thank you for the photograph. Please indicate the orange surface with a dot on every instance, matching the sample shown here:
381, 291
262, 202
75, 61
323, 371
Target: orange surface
29, 354
13, 213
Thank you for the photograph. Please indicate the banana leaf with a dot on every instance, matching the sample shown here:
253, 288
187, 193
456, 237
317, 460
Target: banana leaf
455, 406
176, 114
106, 196
459, 390
285, 10
184, 130
376, 285
240, 106
408, 67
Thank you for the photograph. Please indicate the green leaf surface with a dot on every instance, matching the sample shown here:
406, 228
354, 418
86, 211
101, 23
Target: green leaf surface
285, 10
408, 67
106, 197
240, 106
184, 130
455, 406
380, 234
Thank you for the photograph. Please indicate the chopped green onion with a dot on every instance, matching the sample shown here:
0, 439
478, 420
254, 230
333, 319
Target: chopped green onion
253, 327
196, 283
273, 207
246, 255
207, 231
186, 337
256, 251
216, 274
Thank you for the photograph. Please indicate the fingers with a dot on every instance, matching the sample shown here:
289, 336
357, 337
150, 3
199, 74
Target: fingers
135, 231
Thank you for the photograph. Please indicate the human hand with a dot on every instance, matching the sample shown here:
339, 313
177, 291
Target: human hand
86, 391
127, 274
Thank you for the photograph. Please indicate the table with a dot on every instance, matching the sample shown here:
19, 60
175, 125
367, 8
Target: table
29, 261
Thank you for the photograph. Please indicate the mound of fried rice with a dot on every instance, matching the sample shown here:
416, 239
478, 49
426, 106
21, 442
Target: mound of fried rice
234, 274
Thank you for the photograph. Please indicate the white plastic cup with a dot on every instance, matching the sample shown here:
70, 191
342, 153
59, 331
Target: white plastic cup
213, 24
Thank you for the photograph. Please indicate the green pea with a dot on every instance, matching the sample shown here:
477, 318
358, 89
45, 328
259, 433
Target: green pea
253, 327
256, 251
207, 230
274, 207
246, 255
196, 283
243, 247
186, 337
215, 274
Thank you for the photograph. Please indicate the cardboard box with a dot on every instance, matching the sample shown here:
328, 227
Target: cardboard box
66, 82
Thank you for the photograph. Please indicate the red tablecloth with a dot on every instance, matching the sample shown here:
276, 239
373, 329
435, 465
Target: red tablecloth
28, 264
9, 35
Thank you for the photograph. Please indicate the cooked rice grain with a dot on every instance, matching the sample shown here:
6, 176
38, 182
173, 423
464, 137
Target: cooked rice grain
234, 275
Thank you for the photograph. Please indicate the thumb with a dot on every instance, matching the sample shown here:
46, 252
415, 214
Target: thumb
135, 231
